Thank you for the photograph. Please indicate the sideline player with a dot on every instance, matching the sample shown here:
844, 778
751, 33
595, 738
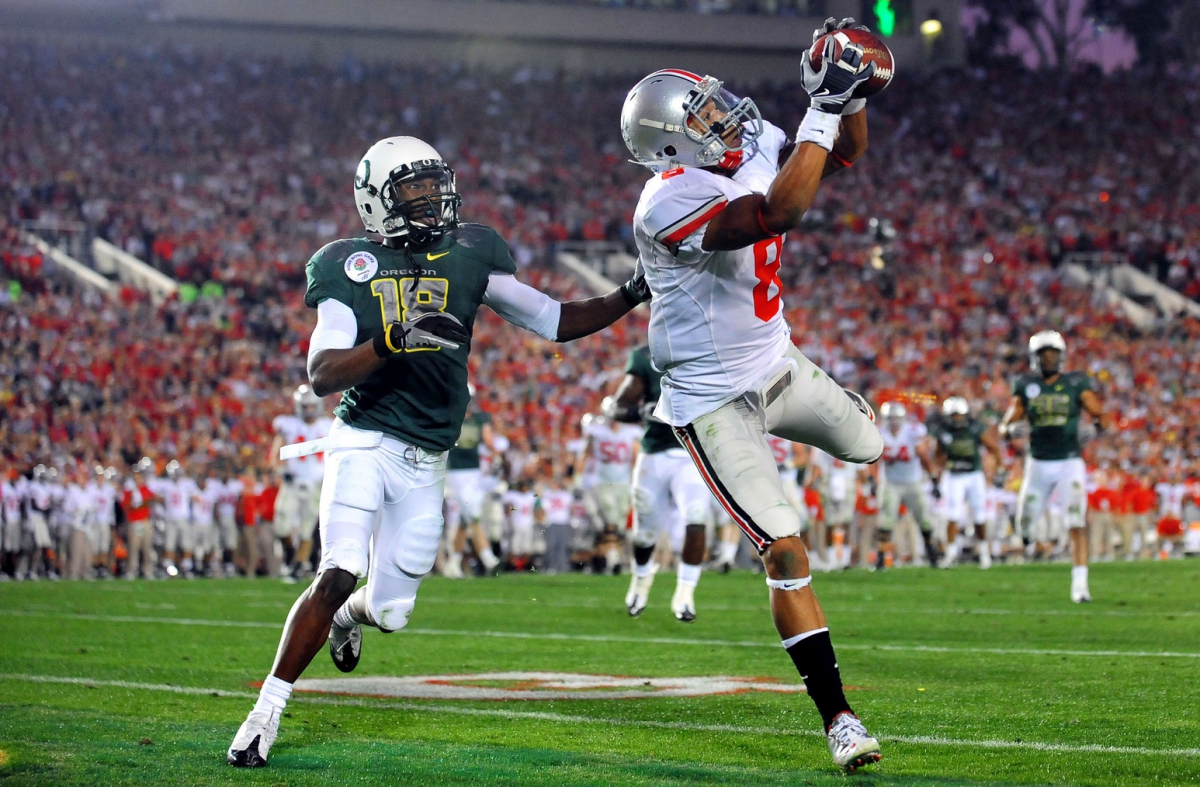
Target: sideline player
1052, 401
394, 323
664, 481
709, 229
608, 451
958, 437
300, 491
466, 488
905, 455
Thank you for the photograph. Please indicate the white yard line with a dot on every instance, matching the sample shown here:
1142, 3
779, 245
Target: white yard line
563, 718
631, 639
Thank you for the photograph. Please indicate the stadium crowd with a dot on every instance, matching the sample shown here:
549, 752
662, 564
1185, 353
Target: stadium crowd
921, 273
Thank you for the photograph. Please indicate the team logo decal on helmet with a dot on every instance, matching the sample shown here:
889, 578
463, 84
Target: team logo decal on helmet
403, 189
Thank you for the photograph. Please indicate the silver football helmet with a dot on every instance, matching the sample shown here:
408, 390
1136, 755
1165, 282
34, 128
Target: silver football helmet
174, 470
403, 189
307, 404
664, 124
893, 412
1047, 340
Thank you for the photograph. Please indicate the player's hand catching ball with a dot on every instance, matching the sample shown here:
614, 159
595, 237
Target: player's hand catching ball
830, 87
431, 330
854, 105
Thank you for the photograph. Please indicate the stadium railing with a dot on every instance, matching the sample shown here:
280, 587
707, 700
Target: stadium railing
130, 270
69, 264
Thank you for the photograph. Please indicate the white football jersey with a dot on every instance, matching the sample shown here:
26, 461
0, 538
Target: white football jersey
783, 451
841, 478
177, 497
901, 463
105, 497
1170, 499
716, 319
520, 508
205, 500
557, 505
12, 495
296, 430
612, 451
228, 493
40, 496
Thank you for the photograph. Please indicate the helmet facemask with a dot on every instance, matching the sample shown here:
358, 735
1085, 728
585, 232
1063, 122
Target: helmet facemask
721, 123
1048, 361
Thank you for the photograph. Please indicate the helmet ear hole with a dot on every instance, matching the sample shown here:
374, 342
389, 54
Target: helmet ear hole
366, 206
669, 150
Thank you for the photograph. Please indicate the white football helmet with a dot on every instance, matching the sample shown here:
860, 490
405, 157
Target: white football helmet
893, 411
307, 403
662, 125
1047, 340
174, 470
390, 167
955, 405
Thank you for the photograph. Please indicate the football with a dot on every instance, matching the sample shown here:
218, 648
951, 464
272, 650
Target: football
874, 51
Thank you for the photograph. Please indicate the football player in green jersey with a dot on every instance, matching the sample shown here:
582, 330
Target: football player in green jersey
959, 437
665, 484
394, 325
1052, 401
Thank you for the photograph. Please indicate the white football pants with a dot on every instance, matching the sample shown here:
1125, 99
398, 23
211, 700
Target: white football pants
381, 516
664, 482
1044, 477
797, 402
296, 509
912, 497
966, 493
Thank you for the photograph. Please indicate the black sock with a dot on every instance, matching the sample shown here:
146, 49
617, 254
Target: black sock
814, 660
642, 555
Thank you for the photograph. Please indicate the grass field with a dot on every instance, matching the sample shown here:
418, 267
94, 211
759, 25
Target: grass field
966, 676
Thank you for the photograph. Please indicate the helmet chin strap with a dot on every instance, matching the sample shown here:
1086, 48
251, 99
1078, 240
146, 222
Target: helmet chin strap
731, 161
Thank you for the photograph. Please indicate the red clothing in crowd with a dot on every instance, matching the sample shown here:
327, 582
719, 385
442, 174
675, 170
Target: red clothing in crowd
137, 508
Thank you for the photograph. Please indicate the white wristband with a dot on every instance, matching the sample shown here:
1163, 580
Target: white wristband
819, 127
854, 106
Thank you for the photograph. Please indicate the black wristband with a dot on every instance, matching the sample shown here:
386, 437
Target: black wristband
380, 344
630, 299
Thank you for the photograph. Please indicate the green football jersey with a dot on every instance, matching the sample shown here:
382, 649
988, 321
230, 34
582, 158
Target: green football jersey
960, 444
1053, 412
419, 396
658, 436
465, 453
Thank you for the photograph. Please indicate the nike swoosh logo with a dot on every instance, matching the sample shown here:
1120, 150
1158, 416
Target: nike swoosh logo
433, 256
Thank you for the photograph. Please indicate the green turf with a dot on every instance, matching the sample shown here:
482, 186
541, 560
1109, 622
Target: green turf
954, 656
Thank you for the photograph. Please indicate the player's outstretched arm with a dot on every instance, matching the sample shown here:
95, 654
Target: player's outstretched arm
523, 306
1095, 408
755, 217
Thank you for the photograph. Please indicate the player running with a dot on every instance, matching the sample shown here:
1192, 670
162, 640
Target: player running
905, 455
394, 325
1052, 401
958, 437
709, 228
665, 482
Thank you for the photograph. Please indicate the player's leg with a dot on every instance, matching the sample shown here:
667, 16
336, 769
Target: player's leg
349, 511
1032, 499
450, 555
731, 453
650, 500
917, 503
889, 515
308, 506
977, 505
1072, 486
955, 492
690, 497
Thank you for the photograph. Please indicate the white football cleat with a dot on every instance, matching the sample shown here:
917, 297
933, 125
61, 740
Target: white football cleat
850, 744
1080, 592
254, 739
683, 603
985, 556
639, 591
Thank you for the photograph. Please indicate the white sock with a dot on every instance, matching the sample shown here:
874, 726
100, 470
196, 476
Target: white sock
647, 570
342, 618
1079, 574
729, 551
273, 695
688, 575
488, 558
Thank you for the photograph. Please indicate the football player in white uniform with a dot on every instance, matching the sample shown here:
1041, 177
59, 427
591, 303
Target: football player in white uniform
39, 503
13, 492
177, 491
300, 492
104, 493
708, 227
610, 445
395, 314
204, 523
905, 456
229, 491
